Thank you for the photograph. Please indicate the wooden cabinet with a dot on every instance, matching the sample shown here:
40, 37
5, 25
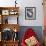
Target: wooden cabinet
7, 26
10, 43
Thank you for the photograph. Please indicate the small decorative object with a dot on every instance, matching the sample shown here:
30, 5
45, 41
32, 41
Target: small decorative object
5, 12
15, 3
15, 36
7, 34
6, 21
15, 30
30, 13
13, 12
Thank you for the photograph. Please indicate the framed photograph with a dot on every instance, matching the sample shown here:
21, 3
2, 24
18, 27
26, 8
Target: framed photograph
30, 13
5, 12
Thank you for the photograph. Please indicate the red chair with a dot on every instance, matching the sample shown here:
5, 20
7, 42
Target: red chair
29, 33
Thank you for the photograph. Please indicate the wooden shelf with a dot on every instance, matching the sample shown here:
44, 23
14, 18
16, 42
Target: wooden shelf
9, 8
4, 13
10, 43
11, 26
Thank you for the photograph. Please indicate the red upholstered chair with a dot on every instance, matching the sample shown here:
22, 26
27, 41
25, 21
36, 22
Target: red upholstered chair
29, 33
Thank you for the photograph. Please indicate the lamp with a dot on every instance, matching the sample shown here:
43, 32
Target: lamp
15, 3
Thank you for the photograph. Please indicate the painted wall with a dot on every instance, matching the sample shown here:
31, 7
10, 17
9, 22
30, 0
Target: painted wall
26, 3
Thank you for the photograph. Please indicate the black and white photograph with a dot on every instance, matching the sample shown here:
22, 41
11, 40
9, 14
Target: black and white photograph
30, 13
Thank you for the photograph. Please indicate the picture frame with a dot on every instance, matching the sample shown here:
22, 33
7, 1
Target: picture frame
5, 12
30, 13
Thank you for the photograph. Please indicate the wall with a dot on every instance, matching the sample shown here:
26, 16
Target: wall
27, 3
39, 12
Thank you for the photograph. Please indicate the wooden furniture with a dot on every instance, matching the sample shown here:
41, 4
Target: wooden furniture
10, 43
5, 13
11, 26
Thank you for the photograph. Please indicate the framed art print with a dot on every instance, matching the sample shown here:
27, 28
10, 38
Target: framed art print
5, 12
30, 13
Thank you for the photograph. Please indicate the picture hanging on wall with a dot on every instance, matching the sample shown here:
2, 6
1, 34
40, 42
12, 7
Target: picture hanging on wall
30, 13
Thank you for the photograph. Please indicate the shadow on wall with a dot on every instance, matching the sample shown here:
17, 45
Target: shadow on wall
37, 29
